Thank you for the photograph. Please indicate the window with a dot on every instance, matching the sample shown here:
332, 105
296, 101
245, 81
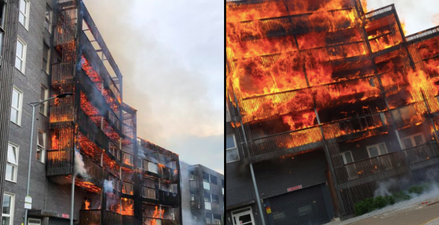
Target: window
243, 216
347, 157
413, 140
46, 59
231, 150
41, 146
12, 164
20, 57
128, 159
206, 184
216, 219
151, 167
215, 198
44, 94
208, 218
213, 179
228, 118
23, 17
16, 105
149, 193
127, 188
2, 22
207, 201
48, 19
8, 209
222, 183
376, 150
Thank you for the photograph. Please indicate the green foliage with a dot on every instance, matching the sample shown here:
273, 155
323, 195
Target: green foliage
370, 204
417, 189
401, 196
379, 202
390, 200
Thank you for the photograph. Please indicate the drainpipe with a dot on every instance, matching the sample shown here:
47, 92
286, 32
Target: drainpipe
72, 203
255, 186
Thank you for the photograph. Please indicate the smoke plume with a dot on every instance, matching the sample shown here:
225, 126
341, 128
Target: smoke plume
79, 164
108, 186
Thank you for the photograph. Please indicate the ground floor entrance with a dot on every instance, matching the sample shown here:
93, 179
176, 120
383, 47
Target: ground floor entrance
308, 206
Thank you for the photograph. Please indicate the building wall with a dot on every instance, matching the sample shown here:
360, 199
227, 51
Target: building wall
185, 194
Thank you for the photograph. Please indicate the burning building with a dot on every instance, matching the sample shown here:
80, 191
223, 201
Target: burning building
89, 138
324, 101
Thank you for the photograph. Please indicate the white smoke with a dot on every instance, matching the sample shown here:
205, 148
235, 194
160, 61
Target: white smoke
79, 164
108, 186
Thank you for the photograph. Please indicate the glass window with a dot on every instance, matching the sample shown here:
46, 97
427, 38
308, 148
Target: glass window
44, 94
418, 140
413, 140
16, 106
215, 198
230, 142
149, 193
232, 154
48, 19
377, 149
41, 146
128, 159
23, 17
213, 179
207, 201
8, 209
347, 157
20, 56
127, 188
46, 59
12, 164
407, 143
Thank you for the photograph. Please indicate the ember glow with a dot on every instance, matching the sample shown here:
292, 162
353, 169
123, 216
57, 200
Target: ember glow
291, 61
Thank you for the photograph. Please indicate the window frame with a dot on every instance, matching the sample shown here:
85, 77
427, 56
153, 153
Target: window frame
26, 14
46, 58
232, 149
343, 154
20, 106
41, 148
50, 20
242, 211
45, 105
412, 140
21, 58
14, 165
378, 147
11, 207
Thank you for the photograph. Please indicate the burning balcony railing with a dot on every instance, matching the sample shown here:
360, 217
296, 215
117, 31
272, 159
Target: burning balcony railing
62, 74
394, 161
59, 162
379, 11
62, 111
168, 198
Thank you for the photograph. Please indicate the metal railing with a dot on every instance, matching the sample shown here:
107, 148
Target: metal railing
59, 162
388, 162
380, 11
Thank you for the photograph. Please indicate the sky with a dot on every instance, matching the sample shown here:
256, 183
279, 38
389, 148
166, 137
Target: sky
171, 55
418, 15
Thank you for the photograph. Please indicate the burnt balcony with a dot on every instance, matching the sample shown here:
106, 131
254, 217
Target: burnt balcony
391, 163
169, 199
169, 174
60, 163
93, 217
95, 60
128, 220
194, 185
62, 74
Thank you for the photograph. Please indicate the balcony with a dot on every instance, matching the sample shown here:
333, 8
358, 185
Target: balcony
60, 163
169, 199
195, 205
391, 164
93, 217
62, 74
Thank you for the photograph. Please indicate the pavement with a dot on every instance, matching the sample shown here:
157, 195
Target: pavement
417, 211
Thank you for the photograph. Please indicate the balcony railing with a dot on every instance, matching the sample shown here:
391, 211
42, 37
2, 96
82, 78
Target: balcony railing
168, 198
62, 74
93, 217
195, 205
59, 162
388, 162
